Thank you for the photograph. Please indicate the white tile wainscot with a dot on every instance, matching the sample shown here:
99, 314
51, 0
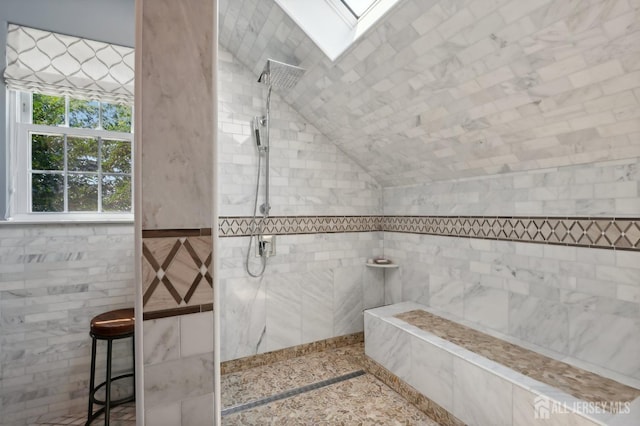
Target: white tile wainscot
473, 388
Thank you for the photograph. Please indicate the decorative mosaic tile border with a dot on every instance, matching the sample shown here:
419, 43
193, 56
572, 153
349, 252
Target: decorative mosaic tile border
596, 232
408, 392
291, 225
241, 364
176, 272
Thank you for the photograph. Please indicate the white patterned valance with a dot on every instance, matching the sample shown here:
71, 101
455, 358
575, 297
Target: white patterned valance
57, 64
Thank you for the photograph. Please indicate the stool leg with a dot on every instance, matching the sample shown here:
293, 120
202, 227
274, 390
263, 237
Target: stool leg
133, 341
107, 396
92, 380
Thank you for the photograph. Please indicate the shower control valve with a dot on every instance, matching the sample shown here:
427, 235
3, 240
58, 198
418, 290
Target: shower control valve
266, 246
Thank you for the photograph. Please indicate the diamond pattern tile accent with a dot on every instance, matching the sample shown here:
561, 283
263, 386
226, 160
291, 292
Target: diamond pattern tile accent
290, 225
609, 233
176, 272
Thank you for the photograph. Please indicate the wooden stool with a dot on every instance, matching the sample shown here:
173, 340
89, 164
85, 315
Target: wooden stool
109, 326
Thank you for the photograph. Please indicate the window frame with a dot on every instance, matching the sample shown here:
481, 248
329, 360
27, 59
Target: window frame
349, 7
20, 127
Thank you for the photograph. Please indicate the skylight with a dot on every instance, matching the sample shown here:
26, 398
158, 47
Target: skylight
334, 25
358, 7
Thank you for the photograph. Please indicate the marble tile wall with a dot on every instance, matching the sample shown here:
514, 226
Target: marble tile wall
439, 90
176, 48
310, 175
176, 110
178, 357
53, 280
576, 301
315, 288
317, 285
599, 189
580, 302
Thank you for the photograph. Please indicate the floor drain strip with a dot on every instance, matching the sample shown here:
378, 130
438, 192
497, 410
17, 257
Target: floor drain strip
291, 392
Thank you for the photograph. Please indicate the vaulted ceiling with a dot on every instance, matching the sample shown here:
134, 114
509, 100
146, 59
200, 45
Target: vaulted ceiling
450, 89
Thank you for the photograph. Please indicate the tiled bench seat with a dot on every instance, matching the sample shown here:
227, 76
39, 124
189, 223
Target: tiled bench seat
483, 380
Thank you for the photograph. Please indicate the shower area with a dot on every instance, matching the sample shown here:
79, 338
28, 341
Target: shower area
283, 281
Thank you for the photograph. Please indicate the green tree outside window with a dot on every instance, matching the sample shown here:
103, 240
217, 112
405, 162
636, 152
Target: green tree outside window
93, 165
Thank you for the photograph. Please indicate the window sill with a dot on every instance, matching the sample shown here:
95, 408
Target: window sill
67, 219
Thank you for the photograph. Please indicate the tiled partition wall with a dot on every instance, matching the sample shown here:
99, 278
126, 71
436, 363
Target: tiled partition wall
175, 107
317, 285
53, 280
582, 303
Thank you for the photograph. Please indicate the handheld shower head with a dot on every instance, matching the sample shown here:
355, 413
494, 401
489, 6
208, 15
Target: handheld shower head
280, 75
255, 125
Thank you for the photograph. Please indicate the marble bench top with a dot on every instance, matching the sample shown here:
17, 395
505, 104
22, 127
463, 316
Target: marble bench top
575, 381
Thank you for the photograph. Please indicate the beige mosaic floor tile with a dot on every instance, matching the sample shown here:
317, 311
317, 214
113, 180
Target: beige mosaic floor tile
580, 383
360, 401
274, 378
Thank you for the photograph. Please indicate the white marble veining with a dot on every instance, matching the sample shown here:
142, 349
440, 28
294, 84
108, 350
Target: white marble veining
439, 90
373, 284
161, 340
472, 387
432, 372
347, 299
524, 412
176, 126
163, 415
314, 288
310, 175
198, 411
284, 311
539, 321
529, 294
388, 345
243, 314
559, 298
317, 299
178, 380
559, 191
53, 279
175, 103
415, 281
196, 334
606, 340
393, 284
447, 294
487, 306
480, 397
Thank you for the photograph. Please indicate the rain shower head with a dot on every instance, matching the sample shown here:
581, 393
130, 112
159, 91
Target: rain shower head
280, 75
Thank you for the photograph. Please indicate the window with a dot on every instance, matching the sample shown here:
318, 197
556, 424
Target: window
334, 25
70, 156
358, 7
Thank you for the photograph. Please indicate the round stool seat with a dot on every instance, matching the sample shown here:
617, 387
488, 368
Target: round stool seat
109, 326
113, 323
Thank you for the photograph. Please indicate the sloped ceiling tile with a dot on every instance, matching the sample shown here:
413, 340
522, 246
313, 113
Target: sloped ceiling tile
445, 89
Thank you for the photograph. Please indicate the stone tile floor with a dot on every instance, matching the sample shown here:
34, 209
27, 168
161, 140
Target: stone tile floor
362, 400
122, 415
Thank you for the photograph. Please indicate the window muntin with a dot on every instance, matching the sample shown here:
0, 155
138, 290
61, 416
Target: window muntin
73, 156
